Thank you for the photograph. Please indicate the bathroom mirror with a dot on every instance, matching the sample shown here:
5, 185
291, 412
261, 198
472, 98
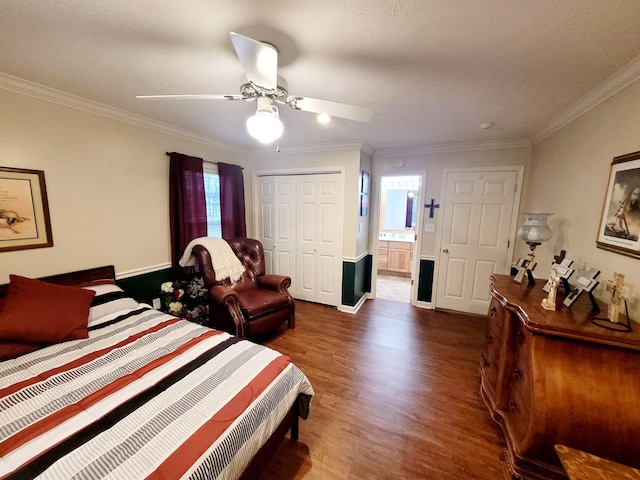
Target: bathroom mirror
400, 203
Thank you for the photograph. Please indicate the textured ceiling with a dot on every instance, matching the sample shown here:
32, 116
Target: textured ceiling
434, 70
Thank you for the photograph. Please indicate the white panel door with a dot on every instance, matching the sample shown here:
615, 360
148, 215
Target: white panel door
307, 232
284, 256
300, 226
265, 220
329, 214
319, 239
476, 225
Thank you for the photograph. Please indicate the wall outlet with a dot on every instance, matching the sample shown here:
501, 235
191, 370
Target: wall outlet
156, 303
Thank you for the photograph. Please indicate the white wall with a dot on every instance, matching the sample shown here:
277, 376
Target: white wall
569, 177
434, 163
364, 222
107, 183
347, 160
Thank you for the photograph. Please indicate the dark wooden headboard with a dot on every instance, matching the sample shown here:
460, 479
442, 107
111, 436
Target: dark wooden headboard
74, 278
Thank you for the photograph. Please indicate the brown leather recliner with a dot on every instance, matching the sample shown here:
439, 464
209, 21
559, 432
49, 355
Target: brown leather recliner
256, 304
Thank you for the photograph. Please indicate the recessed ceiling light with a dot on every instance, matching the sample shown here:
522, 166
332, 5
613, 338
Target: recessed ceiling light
324, 118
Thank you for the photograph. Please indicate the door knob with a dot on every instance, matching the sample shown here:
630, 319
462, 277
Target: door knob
445, 250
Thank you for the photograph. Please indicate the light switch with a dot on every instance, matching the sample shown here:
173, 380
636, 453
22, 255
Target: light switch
429, 227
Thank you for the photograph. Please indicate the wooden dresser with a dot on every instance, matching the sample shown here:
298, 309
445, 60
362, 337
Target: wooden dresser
555, 378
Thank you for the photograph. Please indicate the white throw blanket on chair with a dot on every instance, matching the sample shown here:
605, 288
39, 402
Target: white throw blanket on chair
224, 261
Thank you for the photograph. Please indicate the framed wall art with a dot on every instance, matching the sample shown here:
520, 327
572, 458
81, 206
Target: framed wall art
364, 182
364, 193
364, 204
24, 210
620, 222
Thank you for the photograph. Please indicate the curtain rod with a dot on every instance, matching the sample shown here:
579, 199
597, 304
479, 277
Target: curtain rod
168, 154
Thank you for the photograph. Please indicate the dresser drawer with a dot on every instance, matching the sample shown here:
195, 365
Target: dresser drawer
519, 387
491, 364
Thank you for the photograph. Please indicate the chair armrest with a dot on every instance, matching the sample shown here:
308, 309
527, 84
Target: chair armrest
277, 283
223, 295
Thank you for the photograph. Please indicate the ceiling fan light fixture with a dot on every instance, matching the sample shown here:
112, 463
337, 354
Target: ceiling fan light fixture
265, 126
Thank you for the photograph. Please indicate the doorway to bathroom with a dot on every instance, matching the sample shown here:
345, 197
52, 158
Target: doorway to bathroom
397, 227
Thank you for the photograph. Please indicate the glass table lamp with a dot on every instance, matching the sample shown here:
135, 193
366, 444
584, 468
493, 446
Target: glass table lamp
534, 230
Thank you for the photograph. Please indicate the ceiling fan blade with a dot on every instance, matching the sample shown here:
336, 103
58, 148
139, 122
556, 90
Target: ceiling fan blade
194, 97
259, 60
333, 109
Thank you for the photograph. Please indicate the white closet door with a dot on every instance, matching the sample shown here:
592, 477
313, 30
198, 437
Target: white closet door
304, 239
319, 221
265, 219
284, 256
307, 231
275, 224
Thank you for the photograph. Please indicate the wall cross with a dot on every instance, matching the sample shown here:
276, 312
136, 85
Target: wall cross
432, 206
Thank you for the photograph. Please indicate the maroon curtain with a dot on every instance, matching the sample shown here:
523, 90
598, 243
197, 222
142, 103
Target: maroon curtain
232, 201
409, 213
187, 207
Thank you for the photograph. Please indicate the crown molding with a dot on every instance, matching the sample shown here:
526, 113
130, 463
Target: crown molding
453, 147
26, 87
42, 92
624, 77
368, 148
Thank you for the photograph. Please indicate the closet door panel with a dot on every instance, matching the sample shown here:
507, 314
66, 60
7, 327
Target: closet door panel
329, 239
307, 277
307, 237
265, 220
300, 226
284, 227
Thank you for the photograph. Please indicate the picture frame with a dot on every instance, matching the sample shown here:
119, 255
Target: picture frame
364, 204
24, 210
620, 220
364, 182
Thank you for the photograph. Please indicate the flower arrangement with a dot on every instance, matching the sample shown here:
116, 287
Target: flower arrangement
186, 299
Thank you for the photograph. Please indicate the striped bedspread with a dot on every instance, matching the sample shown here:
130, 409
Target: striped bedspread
145, 396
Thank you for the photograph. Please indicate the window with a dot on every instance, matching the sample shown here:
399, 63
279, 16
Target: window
212, 195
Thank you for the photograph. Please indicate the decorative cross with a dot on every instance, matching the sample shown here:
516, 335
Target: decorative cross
619, 292
431, 206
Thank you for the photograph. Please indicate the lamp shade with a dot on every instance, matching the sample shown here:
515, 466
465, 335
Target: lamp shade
265, 126
534, 229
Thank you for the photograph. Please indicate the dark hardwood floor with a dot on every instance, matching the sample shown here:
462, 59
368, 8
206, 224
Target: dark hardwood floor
397, 396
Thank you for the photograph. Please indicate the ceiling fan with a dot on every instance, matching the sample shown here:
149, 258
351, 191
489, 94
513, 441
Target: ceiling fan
260, 63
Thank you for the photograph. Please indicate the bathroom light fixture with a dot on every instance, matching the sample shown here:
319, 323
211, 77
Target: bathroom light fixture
265, 126
534, 230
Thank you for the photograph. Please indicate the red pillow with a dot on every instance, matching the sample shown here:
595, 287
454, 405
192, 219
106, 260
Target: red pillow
38, 312
13, 350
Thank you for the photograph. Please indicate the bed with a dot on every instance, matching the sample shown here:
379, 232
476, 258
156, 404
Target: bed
144, 395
